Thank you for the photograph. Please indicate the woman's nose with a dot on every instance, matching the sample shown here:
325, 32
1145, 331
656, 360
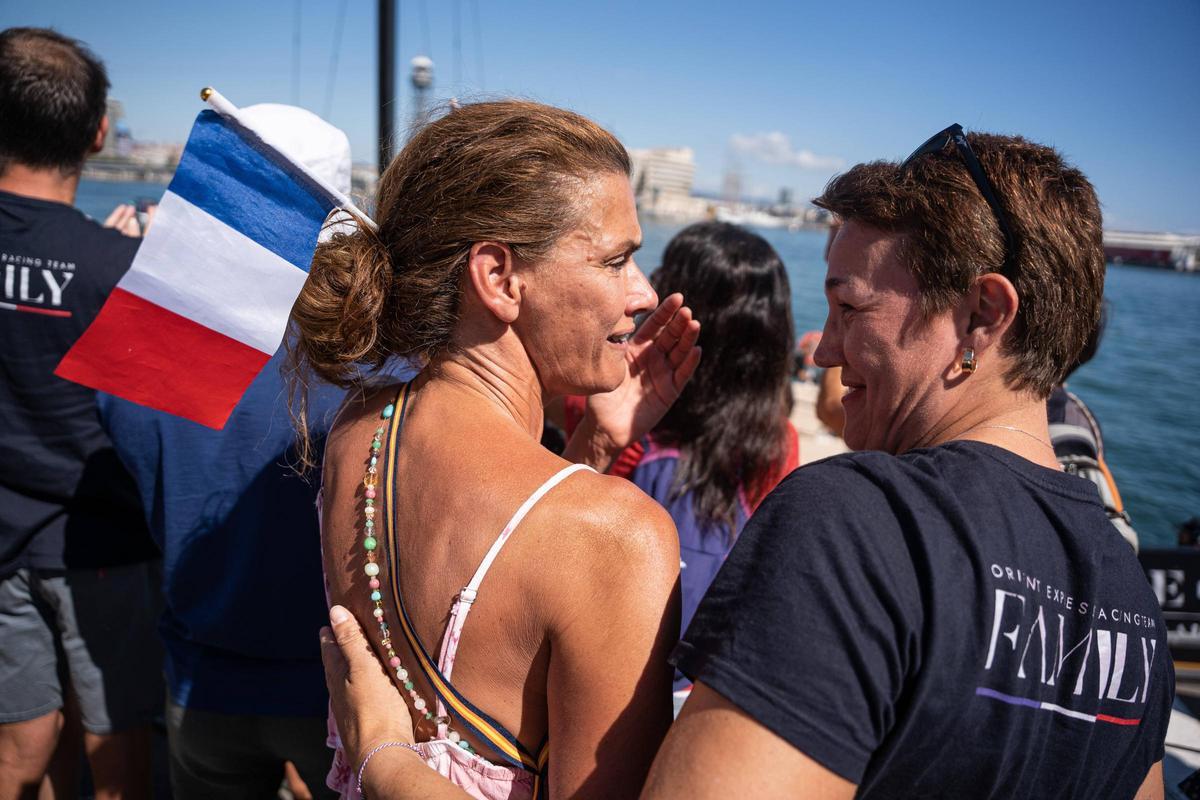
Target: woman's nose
640, 295
828, 353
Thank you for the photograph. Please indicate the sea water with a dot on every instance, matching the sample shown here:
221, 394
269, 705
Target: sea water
1143, 385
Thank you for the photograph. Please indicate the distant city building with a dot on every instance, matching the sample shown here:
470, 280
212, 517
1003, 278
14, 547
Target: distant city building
1165, 250
363, 180
662, 171
156, 154
731, 185
662, 183
115, 113
123, 140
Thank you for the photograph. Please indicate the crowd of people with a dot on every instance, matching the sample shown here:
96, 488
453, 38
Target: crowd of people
945, 611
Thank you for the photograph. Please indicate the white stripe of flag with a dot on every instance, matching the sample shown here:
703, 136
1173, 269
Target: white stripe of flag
206, 301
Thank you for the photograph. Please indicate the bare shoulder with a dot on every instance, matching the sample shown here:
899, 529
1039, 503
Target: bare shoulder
607, 533
615, 513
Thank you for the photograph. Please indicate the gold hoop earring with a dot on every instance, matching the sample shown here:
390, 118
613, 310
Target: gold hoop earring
969, 362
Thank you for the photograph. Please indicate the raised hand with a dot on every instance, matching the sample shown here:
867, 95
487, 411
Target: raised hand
662, 357
124, 219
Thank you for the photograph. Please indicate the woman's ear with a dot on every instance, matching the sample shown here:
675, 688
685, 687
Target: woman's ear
991, 310
492, 274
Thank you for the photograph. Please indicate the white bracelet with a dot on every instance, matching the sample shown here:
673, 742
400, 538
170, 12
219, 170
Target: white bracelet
363, 767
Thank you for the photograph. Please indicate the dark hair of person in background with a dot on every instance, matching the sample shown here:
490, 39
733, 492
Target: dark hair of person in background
949, 231
53, 95
729, 423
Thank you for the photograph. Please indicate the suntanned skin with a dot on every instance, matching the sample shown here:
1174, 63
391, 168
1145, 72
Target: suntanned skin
829, 400
911, 393
740, 758
574, 622
903, 370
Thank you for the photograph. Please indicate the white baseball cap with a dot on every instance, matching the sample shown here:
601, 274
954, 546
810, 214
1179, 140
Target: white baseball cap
304, 137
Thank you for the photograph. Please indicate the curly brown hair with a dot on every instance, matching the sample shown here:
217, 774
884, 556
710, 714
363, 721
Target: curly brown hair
951, 236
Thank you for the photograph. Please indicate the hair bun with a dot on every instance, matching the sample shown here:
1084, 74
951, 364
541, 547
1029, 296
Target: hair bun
340, 310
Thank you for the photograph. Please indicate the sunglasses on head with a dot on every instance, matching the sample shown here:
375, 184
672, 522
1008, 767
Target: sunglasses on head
936, 144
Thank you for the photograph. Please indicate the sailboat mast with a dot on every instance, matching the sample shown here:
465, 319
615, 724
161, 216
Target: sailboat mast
387, 80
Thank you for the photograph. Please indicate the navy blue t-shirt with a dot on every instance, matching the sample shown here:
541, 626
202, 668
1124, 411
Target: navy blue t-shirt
954, 622
65, 500
242, 580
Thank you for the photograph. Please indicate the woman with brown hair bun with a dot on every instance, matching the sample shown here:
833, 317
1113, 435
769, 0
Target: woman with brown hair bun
504, 264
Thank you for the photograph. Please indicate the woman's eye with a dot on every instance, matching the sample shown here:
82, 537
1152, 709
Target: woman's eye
845, 307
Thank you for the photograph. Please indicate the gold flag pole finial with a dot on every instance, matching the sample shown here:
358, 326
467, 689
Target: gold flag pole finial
206, 93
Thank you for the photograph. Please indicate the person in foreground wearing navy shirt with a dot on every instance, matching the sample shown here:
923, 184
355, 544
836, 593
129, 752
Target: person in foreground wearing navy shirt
945, 613
79, 658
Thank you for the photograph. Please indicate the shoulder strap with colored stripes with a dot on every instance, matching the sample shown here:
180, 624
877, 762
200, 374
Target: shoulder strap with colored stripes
479, 723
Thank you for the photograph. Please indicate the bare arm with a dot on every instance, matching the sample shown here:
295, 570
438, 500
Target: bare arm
829, 400
716, 751
609, 683
1152, 787
370, 711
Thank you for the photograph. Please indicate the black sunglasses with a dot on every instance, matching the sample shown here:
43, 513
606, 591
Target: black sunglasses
937, 143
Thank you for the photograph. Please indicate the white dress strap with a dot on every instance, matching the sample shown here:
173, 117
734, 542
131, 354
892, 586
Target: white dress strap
462, 603
472, 588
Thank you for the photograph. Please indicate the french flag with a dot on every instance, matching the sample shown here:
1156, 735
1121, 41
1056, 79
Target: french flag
206, 301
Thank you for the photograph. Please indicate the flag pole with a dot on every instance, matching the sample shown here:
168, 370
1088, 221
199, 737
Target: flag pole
227, 109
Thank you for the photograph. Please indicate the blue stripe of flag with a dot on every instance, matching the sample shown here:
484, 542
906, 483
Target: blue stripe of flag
252, 189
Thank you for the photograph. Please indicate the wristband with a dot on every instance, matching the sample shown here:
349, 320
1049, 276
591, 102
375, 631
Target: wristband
362, 768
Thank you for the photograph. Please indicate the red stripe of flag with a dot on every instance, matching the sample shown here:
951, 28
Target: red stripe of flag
154, 357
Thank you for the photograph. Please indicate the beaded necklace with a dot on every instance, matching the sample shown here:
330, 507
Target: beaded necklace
370, 543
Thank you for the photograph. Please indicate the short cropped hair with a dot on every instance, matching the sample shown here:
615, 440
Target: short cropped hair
950, 237
53, 95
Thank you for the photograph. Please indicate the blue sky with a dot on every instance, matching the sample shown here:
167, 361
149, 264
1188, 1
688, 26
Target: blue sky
786, 91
